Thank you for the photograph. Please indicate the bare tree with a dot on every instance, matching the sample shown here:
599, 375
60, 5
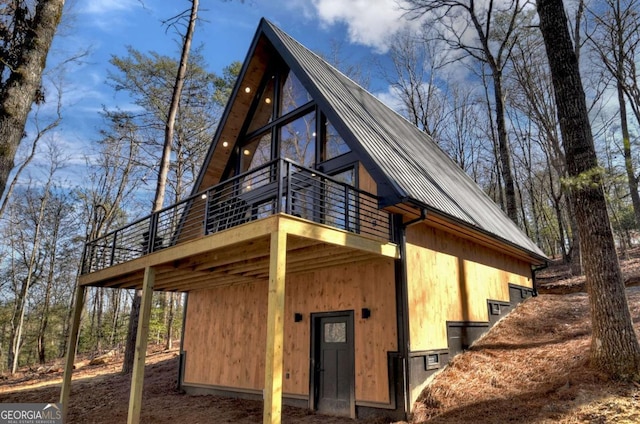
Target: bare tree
60, 218
616, 39
494, 25
416, 60
30, 259
127, 365
531, 94
614, 345
461, 136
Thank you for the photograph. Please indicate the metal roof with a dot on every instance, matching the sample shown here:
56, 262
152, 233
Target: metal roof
406, 163
412, 164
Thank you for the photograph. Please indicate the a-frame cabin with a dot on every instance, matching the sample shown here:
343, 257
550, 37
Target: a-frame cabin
333, 255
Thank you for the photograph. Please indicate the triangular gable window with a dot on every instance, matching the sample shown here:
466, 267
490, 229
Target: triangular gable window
263, 114
293, 94
334, 145
284, 122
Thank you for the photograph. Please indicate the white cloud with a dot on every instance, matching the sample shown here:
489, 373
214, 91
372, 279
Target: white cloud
369, 22
111, 15
392, 99
101, 7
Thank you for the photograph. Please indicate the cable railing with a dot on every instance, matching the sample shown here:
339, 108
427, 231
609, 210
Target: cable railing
279, 186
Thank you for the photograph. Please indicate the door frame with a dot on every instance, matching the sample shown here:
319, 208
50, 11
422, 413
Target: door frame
315, 333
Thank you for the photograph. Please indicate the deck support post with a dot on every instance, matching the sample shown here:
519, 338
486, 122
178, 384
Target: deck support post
71, 350
275, 329
142, 337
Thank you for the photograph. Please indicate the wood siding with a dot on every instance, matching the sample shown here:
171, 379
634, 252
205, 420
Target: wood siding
451, 279
225, 328
365, 181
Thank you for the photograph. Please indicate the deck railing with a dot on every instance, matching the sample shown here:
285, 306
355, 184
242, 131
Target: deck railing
279, 186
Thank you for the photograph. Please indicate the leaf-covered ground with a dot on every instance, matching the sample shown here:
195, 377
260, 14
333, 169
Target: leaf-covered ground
532, 367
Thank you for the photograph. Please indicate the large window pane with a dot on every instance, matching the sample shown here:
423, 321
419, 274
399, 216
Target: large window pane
334, 144
256, 152
293, 94
298, 140
264, 109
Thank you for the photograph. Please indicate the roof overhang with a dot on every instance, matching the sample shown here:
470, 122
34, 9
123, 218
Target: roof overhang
413, 212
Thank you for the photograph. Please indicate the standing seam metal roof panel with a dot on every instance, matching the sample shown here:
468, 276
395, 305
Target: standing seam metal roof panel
408, 157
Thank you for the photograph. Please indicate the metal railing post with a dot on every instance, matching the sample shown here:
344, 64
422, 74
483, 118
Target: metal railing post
153, 227
85, 253
113, 248
347, 221
206, 212
280, 176
289, 196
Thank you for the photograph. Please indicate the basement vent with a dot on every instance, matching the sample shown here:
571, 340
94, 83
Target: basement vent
432, 361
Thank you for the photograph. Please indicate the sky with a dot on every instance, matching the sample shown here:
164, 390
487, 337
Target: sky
105, 28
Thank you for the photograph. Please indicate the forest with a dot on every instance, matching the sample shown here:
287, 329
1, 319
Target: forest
476, 79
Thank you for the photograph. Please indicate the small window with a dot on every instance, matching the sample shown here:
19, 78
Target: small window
335, 332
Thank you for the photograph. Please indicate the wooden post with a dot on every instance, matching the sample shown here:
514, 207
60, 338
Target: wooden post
71, 351
142, 336
275, 329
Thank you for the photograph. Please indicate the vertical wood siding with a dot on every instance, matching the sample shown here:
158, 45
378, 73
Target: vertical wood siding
225, 328
450, 279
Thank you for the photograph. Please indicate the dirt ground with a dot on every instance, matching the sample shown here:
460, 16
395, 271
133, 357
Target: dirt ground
100, 395
532, 367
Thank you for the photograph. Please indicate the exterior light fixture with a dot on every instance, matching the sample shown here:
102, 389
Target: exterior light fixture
267, 100
225, 144
247, 89
246, 152
204, 196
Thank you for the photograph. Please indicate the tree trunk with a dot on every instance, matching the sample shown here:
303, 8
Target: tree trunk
44, 319
614, 346
173, 108
23, 84
17, 342
130, 350
99, 319
504, 149
127, 366
170, 319
115, 301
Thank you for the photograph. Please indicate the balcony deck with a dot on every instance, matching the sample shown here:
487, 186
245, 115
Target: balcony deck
221, 236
